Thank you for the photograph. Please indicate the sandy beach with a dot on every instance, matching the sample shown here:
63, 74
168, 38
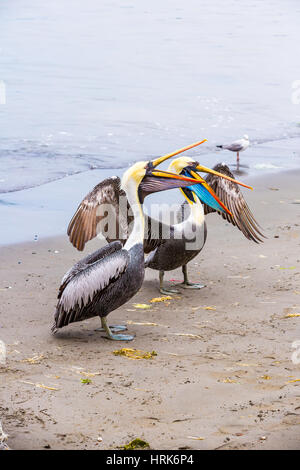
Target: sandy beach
223, 376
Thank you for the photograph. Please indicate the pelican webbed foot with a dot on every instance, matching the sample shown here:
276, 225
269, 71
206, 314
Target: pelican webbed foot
186, 284
191, 285
163, 290
113, 328
121, 337
111, 335
168, 291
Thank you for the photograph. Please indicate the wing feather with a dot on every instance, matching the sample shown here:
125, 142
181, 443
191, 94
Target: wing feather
88, 279
89, 214
230, 194
88, 260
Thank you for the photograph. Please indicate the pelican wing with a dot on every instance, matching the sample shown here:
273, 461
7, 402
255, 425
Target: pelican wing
104, 210
230, 194
87, 279
88, 260
156, 233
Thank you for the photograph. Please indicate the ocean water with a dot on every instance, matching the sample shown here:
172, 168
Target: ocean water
98, 85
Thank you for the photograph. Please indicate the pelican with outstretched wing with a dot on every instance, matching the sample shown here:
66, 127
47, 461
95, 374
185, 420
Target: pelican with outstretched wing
220, 193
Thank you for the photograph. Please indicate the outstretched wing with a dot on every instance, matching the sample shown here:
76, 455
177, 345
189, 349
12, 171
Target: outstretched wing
104, 210
87, 279
230, 194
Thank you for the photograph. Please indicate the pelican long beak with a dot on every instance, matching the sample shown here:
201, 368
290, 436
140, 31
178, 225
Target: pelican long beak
158, 180
216, 173
159, 160
203, 197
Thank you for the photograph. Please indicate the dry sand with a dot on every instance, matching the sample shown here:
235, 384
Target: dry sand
233, 384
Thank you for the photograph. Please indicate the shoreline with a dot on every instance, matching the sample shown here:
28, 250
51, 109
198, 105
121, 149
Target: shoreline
42, 218
223, 376
287, 144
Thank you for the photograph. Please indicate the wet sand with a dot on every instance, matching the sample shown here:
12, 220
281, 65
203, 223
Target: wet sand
223, 377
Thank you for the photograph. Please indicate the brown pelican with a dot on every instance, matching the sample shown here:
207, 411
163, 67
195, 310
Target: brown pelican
188, 236
237, 146
109, 277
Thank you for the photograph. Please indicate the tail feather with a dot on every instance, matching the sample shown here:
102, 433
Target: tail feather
54, 329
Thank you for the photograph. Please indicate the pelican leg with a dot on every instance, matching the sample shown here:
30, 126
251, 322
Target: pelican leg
113, 328
110, 335
162, 290
186, 284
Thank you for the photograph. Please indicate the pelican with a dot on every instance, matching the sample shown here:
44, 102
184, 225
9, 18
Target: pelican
188, 236
109, 277
237, 146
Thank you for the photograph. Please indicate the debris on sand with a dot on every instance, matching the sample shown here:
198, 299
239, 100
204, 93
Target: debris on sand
134, 353
88, 374
195, 438
85, 381
131, 322
35, 359
142, 306
293, 381
189, 335
208, 307
39, 385
136, 444
229, 381
161, 299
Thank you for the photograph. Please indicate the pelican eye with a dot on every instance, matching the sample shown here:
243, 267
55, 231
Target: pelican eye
149, 167
186, 171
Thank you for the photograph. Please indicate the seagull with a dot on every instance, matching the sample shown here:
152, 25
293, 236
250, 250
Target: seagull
237, 146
